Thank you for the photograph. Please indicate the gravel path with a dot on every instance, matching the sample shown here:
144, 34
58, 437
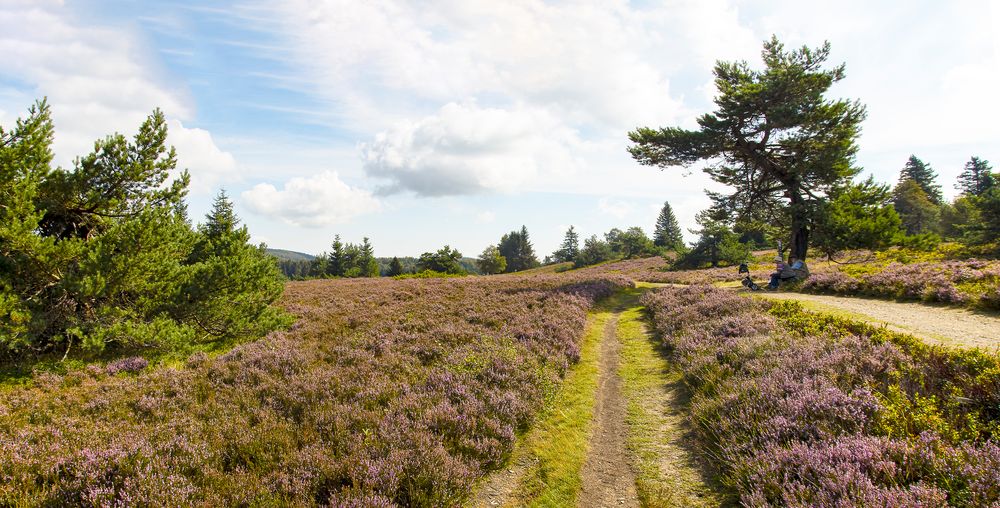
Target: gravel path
933, 323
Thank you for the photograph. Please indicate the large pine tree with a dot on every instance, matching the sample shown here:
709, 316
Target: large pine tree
976, 178
104, 255
667, 232
921, 172
570, 247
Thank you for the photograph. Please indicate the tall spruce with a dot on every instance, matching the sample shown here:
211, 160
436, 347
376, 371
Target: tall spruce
667, 232
335, 260
921, 172
774, 138
976, 178
570, 247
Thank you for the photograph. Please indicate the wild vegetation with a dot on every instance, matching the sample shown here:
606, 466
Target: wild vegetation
385, 393
799, 409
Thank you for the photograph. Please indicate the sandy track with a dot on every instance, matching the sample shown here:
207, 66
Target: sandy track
932, 323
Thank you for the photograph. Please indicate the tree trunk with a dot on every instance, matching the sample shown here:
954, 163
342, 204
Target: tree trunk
800, 227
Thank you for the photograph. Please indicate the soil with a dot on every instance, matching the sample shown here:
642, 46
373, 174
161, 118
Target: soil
608, 477
935, 324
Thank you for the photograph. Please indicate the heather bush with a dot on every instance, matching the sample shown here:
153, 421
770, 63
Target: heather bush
805, 409
384, 393
971, 282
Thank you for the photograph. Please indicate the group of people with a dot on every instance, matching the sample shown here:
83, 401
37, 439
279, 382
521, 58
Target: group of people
796, 269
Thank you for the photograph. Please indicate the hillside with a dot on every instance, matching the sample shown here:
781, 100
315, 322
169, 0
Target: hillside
290, 255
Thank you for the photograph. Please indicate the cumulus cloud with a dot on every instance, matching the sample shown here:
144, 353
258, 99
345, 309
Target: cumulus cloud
316, 201
98, 80
197, 152
467, 149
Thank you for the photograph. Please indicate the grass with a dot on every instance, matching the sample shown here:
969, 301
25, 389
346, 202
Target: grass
666, 473
557, 445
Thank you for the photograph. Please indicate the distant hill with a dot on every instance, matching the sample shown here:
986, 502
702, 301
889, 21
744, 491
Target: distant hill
290, 255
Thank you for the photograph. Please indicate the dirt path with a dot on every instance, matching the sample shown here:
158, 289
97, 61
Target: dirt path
608, 478
935, 324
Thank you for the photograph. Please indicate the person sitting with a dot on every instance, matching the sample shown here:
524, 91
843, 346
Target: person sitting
785, 273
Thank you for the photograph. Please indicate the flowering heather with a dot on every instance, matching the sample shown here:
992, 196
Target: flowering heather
800, 409
131, 364
385, 393
970, 282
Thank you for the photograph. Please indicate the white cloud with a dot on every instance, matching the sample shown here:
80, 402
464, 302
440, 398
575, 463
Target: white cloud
318, 201
197, 152
486, 217
466, 149
614, 208
98, 80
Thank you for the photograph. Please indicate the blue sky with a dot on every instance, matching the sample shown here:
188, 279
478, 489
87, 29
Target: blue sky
432, 123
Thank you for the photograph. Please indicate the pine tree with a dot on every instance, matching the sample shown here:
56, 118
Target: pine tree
111, 237
231, 283
921, 172
916, 210
367, 262
976, 178
570, 247
668, 232
335, 262
395, 267
516, 248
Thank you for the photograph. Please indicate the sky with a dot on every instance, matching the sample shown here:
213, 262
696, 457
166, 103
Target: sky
420, 124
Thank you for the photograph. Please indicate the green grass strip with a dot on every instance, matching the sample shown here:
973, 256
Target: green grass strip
666, 472
557, 445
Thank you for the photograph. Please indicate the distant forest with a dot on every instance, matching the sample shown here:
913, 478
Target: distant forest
297, 265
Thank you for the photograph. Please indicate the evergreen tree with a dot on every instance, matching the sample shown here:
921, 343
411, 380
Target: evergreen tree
717, 243
776, 140
516, 248
230, 283
668, 232
857, 216
594, 251
104, 254
335, 262
367, 263
395, 267
569, 249
916, 210
921, 172
976, 178
491, 262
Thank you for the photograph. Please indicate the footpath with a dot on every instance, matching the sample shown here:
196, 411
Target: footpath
615, 434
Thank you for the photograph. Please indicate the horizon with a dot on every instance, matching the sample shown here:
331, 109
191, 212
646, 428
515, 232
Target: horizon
419, 128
